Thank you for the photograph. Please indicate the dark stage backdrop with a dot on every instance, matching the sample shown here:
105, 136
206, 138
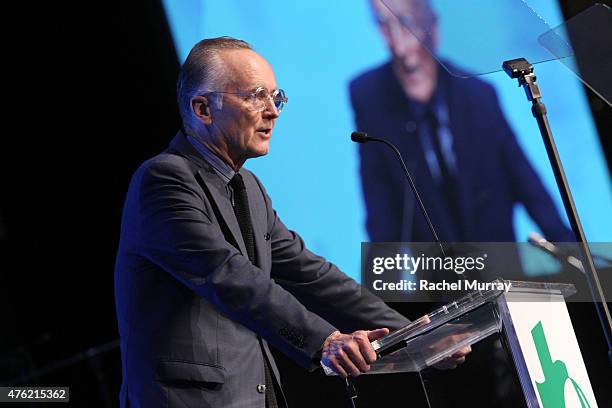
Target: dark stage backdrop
91, 94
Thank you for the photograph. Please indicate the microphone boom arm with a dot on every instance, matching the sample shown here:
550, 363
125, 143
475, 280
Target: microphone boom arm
361, 137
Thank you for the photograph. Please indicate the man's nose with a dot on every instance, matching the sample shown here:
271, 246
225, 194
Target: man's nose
404, 41
270, 110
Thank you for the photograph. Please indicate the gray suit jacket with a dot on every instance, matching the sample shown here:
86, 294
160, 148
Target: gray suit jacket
192, 307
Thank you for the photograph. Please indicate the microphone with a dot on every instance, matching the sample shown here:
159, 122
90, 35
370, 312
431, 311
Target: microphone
362, 137
551, 249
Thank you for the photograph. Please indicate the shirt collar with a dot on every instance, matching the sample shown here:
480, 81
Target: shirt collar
436, 104
222, 168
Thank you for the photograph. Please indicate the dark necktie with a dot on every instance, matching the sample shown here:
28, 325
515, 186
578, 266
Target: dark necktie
447, 179
243, 215
241, 209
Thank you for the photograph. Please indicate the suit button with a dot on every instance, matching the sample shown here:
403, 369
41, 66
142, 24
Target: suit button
411, 126
267, 237
261, 388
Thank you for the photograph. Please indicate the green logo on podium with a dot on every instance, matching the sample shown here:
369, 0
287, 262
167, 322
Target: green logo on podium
552, 389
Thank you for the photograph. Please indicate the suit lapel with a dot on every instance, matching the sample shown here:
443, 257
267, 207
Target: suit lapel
214, 187
397, 116
218, 193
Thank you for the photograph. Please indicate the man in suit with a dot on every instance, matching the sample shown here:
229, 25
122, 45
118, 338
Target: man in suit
454, 138
207, 275
461, 152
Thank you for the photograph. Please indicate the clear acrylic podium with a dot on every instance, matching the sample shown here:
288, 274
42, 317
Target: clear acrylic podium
524, 350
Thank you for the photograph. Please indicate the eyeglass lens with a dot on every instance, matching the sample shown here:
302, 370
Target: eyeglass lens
278, 97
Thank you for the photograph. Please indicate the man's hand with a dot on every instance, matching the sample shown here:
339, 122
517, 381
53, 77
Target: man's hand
458, 357
451, 362
351, 354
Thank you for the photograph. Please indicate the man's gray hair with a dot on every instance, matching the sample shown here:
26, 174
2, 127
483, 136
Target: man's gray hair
203, 71
421, 10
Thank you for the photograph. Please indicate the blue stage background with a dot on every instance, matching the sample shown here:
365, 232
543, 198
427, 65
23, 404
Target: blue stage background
311, 173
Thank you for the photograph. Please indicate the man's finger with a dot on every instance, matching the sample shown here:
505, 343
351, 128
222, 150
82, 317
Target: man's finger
423, 320
345, 360
377, 334
462, 352
446, 364
365, 347
335, 365
353, 351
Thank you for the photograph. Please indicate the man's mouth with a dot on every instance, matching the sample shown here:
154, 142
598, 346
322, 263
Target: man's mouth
265, 131
411, 69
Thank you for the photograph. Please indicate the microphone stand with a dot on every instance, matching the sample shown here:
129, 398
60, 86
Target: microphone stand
522, 70
362, 137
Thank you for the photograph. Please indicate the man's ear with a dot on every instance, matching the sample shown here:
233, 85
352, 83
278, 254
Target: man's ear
200, 106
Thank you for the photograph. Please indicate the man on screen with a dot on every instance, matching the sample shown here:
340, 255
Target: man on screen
207, 274
454, 138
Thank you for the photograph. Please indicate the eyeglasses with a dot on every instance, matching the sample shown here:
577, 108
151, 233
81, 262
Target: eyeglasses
259, 99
